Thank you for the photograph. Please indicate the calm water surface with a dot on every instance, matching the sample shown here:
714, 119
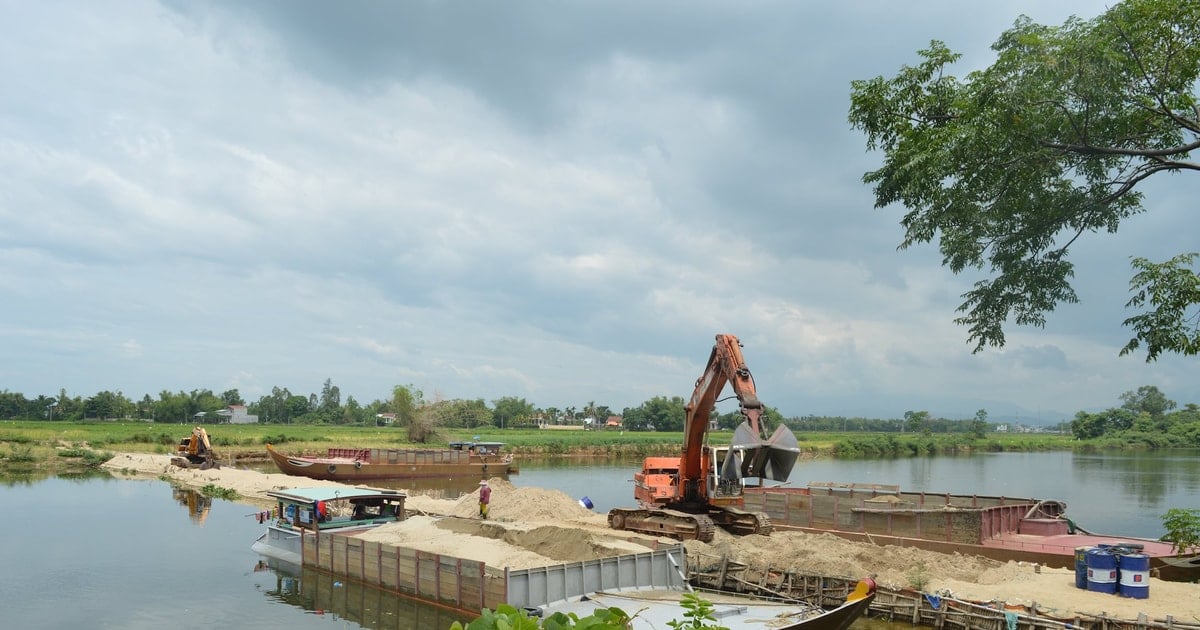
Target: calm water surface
115, 553
1120, 493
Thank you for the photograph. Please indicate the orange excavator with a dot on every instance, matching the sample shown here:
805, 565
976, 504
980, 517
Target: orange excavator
195, 451
685, 497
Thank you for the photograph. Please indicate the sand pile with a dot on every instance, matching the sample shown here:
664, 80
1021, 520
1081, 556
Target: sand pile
513, 545
536, 527
510, 503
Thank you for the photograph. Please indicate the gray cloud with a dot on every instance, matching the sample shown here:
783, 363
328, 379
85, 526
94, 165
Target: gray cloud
560, 202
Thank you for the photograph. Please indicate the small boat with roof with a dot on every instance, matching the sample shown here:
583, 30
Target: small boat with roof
301, 512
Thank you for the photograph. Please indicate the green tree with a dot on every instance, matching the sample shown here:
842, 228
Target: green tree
66, 408
172, 407
918, 422
466, 414
145, 407
424, 425
1173, 289
331, 399
106, 404
297, 406
273, 408
665, 414
979, 426
405, 401
511, 411
351, 412
232, 397
1092, 425
1147, 399
1012, 165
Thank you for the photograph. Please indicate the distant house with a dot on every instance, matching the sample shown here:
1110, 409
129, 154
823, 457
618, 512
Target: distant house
236, 414
385, 418
613, 422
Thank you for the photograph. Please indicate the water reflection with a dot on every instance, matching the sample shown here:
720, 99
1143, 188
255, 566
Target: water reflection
197, 504
9, 477
1149, 479
320, 593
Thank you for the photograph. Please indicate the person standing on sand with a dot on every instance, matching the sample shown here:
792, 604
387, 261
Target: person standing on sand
485, 497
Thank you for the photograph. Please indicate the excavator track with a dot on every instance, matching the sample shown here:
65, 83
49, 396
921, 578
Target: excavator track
659, 522
743, 523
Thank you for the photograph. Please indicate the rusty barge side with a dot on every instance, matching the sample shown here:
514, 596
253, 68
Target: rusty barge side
1002, 528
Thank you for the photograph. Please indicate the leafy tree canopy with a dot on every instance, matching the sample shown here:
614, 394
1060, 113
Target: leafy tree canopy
1008, 167
1147, 399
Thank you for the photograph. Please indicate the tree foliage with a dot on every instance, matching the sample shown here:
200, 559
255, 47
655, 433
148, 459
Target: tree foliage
405, 401
698, 614
512, 411
1172, 288
1092, 425
1183, 529
979, 426
919, 422
1147, 399
1008, 167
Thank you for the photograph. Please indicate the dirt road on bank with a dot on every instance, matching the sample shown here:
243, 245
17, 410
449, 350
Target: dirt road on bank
536, 527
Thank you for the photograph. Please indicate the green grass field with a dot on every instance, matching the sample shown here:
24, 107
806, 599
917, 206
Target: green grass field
37, 441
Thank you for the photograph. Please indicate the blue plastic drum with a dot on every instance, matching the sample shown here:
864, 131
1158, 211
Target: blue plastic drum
1081, 567
1101, 571
1135, 575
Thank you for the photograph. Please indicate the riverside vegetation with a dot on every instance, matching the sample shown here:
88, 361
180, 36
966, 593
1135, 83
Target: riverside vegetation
33, 446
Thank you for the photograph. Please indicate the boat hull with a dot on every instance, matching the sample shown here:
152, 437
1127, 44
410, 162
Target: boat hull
398, 464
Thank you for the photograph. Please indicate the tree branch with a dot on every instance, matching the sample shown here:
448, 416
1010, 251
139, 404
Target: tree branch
1087, 149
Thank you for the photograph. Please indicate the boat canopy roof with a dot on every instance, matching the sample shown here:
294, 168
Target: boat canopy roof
460, 445
333, 493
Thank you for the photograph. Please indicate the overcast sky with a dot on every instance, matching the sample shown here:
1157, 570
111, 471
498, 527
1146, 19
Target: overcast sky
563, 202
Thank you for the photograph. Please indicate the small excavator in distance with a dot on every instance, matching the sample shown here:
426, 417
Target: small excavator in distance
195, 451
685, 497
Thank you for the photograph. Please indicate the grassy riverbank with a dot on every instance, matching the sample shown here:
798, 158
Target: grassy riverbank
27, 447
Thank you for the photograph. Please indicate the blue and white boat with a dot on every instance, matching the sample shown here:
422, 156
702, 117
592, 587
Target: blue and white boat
301, 512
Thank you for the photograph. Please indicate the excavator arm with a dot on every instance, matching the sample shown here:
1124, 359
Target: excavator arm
686, 497
752, 453
725, 366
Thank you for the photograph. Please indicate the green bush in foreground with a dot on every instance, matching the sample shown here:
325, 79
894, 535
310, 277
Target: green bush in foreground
1183, 528
697, 613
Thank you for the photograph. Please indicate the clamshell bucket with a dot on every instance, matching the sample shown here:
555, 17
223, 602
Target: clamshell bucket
771, 458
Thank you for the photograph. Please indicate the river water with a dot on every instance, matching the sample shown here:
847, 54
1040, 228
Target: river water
1108, 493
100, 552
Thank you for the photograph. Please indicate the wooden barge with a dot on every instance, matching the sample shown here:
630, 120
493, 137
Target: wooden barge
352, 465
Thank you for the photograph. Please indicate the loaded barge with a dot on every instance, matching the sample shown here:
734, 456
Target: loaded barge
351, 465
1003, 528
